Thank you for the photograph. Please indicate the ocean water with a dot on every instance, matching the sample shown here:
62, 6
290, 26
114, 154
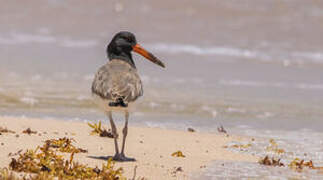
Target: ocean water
253, 66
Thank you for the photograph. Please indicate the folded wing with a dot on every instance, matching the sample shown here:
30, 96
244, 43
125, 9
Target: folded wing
117, 80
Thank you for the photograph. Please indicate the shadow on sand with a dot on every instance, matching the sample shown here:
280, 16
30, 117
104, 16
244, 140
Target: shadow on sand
105, 158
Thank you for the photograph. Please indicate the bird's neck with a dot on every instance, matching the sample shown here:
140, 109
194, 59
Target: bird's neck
127, 57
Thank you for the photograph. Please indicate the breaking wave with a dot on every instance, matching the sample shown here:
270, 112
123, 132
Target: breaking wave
285, 57
15, 38
304, 86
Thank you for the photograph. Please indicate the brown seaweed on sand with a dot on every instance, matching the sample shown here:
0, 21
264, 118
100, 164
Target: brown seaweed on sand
190, 130
274, 147
97, 129
15, 154
271, 162
64, 145
106, 133
6, 174
299, 164
238, 146
222, 130
5, 130
29, 131
176, 170
178, 154
45, 163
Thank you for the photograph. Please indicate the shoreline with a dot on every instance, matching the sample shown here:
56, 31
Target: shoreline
152, 147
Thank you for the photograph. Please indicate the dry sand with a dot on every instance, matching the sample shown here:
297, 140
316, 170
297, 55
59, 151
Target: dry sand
152, 147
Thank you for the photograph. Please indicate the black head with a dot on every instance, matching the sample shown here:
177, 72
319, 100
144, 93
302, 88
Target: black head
121, 46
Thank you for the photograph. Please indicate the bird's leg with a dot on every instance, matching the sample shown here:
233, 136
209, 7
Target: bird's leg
125, 132
115, 134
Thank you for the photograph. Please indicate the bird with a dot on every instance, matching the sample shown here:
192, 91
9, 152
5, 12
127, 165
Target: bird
117, 84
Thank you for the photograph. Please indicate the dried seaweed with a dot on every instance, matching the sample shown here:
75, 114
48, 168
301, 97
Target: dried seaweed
5, 130
239, 146
29, 131
179, 169
271, 162
178, 154
274, 147
299, 164
15, 154
5, 174
97, 129
222, 130
45, 163
106, 133
64, 145
176, 170
190, 130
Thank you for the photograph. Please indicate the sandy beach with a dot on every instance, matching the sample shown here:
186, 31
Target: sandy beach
254, 67
152, 147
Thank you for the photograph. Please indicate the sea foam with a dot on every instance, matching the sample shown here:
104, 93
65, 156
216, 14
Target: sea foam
21, 38
285, 57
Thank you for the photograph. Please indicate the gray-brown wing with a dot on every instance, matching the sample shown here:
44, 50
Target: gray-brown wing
117, 79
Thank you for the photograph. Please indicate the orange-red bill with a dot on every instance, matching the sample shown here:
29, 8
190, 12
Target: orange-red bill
140, 50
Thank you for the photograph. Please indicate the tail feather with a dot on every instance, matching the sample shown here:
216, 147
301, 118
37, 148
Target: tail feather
118, 103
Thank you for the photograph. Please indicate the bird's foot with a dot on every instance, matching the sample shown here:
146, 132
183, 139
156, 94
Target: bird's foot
122, 158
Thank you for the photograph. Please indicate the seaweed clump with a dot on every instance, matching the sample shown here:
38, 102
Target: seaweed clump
45, 163
178, 154
299, 164
5, 130
274, 147
5, 174
271, 162
29, 131
238, 146
222, 130
64, 145
97, 129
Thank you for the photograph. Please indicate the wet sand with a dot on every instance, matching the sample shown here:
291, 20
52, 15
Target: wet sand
152, 147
